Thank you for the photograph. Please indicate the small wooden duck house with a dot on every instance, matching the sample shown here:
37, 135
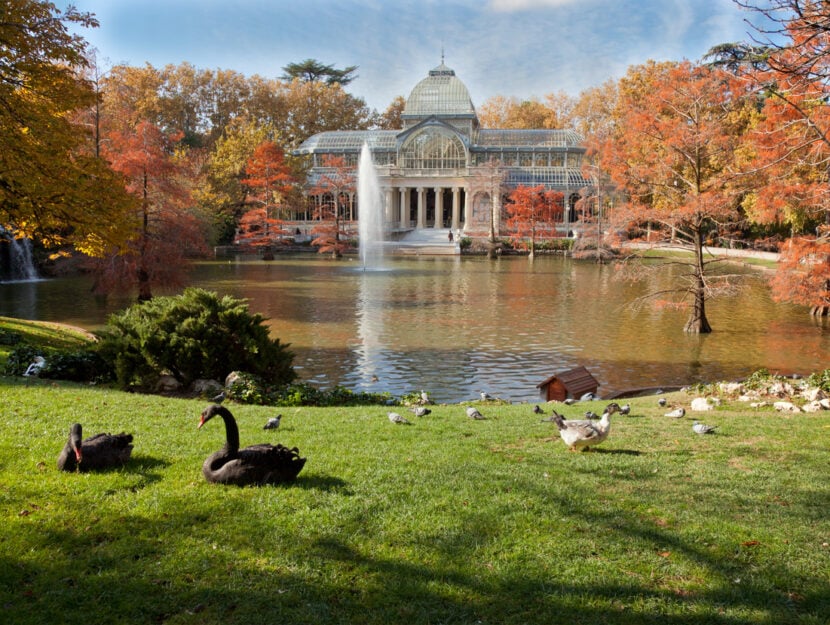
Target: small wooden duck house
571, 384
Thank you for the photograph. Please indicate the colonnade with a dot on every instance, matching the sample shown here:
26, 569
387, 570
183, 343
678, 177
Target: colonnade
401, 202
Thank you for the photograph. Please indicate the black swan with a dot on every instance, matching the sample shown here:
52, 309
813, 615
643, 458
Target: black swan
258, 464
102, 451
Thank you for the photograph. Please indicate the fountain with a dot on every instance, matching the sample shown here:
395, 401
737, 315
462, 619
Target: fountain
370, 216
18, 258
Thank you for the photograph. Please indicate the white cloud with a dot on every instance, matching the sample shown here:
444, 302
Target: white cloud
510, 6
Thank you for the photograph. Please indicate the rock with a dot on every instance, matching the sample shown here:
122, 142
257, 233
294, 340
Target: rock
813, 394
812, 406
205, 387
702, 404
232, 378
785, 406
167, 384
731, 388
825, 403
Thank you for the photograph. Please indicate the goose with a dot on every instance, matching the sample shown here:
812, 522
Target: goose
273, 423
473, 413
257, 464
394, 417
579, 434
102, 451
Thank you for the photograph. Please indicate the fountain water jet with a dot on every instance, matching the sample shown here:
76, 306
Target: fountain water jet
370, 215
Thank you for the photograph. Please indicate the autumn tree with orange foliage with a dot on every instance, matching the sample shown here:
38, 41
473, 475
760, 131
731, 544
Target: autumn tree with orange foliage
268, 178
166, 231
789, 64
671, 151
334, 187
531, 209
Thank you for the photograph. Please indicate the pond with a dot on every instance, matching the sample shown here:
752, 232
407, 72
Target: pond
456, 326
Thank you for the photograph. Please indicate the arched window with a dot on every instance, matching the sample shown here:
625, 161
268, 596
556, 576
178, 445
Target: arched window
433, 148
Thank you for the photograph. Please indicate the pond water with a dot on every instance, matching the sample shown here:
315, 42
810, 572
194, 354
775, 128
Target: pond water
456, 326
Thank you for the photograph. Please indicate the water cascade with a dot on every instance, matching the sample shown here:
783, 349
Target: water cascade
370, 215
17, 263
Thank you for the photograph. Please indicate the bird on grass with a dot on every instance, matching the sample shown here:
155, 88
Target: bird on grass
538, 410
420, 411
625, 409
485, 396
661, 402
581, 434
473, 413
219, 398
588, 397
677, 413
425, 398
702, 428
590, 414
34, 369
273, 423
101, 451
394, 417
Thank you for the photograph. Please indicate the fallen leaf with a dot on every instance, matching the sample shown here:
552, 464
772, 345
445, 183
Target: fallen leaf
664, 554
750, 543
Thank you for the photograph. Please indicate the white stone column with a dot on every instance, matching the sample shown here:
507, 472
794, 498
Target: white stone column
468, 209
404, 208
495, 206
439, 208
389, 198
422, 207
455, 208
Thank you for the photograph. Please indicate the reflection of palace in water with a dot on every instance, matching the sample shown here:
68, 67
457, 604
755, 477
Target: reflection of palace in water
442, 170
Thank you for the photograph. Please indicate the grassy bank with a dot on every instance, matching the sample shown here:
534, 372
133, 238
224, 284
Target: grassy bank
447, 520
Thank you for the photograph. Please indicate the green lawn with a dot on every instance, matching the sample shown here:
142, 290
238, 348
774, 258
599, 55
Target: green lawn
447, 520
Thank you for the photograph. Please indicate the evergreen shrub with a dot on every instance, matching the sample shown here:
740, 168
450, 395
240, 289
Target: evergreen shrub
195, 335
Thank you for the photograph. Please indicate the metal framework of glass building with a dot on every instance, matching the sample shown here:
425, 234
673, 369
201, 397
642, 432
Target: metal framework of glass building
442, 170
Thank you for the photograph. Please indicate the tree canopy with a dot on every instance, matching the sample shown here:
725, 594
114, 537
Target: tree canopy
311, 70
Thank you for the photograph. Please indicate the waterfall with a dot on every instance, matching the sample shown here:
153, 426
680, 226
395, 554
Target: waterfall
20, 267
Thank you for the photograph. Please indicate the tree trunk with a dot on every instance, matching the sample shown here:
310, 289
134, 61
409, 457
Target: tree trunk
697, 323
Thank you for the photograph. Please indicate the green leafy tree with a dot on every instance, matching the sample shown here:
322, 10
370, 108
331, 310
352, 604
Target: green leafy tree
312, 70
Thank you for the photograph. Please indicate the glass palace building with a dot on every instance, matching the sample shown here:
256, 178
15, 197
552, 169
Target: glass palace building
443, 170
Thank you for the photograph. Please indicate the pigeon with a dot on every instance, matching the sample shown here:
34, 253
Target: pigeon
702, 428
661, 402
676, 414
625, 409
569, 401
219, 398
588, 397
473, 413
538, 410
420, 411
485, 396
273, 423
425, 398
590, 414
394, 417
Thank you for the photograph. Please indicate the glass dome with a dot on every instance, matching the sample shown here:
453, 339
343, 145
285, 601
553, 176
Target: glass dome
441, 94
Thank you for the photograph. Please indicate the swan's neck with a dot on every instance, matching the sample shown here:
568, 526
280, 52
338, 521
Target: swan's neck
231, 432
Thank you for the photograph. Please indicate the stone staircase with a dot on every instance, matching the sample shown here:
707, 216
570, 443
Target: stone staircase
426, 242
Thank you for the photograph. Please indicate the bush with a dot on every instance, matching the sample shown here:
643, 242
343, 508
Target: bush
820, 379
190, 336
251, 389
79, 366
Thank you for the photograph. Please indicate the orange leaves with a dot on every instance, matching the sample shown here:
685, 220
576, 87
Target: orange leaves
803, 275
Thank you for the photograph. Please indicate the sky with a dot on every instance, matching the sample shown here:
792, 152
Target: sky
514, 48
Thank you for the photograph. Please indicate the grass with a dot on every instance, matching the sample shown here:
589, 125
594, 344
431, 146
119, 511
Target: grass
447, 520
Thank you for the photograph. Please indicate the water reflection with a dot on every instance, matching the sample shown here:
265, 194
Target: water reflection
456, 326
